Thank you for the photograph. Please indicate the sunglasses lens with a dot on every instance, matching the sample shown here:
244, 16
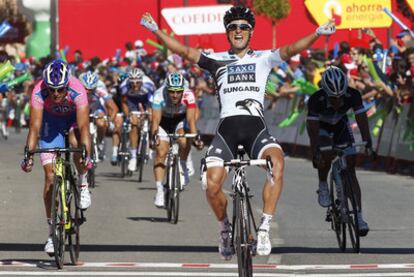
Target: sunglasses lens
243, 27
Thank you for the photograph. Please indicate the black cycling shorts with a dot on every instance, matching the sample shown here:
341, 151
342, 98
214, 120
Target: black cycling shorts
246, 130
341, 132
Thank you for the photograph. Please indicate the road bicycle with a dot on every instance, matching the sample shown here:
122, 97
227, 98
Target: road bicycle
95, 151
66, 215
343, 211
174, 177
143, 149
244, 232
123, 153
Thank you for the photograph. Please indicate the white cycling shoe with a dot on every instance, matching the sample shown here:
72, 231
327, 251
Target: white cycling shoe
264, 247
132, 165
324, 198
159, 199
49, 248
225, 248
85, 198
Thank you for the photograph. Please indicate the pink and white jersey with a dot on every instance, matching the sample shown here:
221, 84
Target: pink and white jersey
76, 98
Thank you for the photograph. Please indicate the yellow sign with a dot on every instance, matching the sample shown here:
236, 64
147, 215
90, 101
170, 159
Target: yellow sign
351, 13
411, 4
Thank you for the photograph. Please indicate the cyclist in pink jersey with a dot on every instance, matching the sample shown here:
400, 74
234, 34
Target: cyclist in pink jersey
58, 103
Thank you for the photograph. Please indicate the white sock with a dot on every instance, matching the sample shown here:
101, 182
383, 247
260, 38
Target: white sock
224, 224
114, 150
159, 185
323, 184
183, 164
133, 153
83, 181
265, 222
49, 224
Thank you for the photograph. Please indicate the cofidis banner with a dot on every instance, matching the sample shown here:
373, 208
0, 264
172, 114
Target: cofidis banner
351, 13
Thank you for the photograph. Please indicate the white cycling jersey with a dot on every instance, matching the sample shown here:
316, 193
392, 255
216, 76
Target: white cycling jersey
240, 82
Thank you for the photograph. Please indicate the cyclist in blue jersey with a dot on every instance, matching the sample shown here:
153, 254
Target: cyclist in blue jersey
240, 74
100, 105
136, 92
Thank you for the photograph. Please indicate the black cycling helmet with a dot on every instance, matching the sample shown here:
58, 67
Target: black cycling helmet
239, 12
334, 82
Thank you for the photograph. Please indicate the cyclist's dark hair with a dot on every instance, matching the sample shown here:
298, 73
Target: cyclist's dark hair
239, 12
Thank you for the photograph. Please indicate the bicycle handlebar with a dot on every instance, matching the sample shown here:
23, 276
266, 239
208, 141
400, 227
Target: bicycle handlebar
140, 113
341, 147
175, 136
55, 150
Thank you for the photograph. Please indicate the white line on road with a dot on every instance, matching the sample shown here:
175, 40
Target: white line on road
215, 266
123, 273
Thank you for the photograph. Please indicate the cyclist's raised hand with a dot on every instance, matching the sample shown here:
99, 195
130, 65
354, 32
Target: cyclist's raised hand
148, 22
326, 29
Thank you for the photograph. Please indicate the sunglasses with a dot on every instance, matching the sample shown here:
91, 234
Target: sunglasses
59, 90
234, 26
175, 91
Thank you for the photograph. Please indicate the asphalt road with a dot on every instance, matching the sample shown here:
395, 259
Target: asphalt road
126, 235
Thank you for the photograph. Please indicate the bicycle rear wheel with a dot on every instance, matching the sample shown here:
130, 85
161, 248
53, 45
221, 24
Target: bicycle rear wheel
352, 208
337, 223
75, 217
244, 257
58, 222
175, 192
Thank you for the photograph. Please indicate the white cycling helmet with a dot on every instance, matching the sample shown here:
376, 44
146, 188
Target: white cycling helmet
89, 80
334, 82
135, 74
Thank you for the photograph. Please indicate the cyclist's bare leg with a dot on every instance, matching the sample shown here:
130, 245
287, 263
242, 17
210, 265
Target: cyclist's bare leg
116, 134
327, 157
215, 195
74, 138
159, 163
102, 125
133, 135
48, 188
184, 145
350, 162
272, 191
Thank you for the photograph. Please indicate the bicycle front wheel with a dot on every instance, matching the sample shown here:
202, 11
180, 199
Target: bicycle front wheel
352, 208
244, 255
91, 172
58, 221
142, 157
75, 217
337, 222
175, 192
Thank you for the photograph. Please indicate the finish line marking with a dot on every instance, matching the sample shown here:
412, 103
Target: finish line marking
212, 266
194, 274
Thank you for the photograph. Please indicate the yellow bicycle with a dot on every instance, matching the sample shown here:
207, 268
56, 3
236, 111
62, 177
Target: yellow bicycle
66, 215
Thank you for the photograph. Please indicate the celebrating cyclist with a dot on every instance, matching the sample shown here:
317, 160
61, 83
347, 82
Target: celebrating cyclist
327, 124
240, 75
58, 103
173, 107
136, 92
100, 105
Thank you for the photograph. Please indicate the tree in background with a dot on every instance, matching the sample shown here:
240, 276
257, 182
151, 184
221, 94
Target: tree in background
275, 10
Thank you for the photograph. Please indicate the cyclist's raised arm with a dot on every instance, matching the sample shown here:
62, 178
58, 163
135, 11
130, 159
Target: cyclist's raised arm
191, 54
287, 51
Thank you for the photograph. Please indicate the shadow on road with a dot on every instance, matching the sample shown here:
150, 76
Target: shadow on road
25, 247
317, 250
150, 219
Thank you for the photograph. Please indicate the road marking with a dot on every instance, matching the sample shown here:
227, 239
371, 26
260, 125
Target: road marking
195, 274
212, 266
